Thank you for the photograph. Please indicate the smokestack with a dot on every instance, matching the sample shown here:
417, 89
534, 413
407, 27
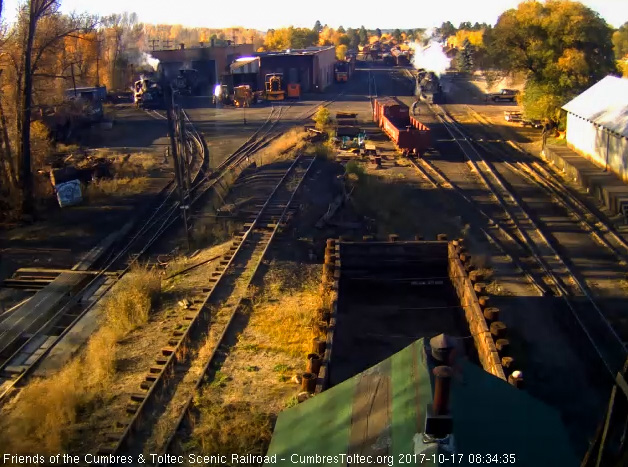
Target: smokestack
442, 346
442, 387
438, 420
181, 46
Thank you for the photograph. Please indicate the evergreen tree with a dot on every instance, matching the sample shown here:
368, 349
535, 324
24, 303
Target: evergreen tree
465, 57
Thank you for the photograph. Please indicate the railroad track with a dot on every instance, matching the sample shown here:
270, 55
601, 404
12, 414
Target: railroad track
175, 378
566, 282
42, 337
589, 217
503, 239
38, 338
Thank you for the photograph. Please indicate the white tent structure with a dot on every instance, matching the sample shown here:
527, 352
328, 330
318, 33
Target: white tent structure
597, 124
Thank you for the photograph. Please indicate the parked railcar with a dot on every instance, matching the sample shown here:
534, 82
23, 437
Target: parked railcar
393, 117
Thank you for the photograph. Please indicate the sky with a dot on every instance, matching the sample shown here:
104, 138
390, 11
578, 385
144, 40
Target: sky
263, 14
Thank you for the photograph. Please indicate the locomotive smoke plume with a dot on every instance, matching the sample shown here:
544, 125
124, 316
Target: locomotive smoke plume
431, 58
152, 61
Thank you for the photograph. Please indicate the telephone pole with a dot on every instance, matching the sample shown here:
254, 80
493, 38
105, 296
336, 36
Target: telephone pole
176, 156
153, 42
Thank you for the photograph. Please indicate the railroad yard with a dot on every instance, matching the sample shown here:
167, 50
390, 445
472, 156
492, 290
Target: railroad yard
159, 325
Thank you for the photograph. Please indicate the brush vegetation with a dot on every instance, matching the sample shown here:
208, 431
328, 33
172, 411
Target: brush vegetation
285, 147
208, 231
237, 412
47, 414
238, 428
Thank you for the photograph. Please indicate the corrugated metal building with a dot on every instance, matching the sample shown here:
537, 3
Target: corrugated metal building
597, 124
312, 68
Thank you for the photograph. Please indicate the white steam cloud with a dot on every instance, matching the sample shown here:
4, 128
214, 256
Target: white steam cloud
431, 58
150, 60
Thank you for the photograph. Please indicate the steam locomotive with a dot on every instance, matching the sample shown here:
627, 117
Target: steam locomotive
428, 88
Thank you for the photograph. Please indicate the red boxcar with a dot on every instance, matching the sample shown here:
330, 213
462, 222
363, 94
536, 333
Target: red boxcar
408, 134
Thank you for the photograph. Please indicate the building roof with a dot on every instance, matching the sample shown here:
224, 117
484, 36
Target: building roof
313, 50
382, 410
604, 104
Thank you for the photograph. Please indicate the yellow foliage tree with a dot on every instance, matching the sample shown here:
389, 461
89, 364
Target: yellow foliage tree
341, 52
475, 38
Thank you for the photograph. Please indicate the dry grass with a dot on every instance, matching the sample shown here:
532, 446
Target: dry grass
101, 189
239, 428
284, 316
45, 417
285, 147
130, 306
325, 150
381, 199
209, 231
256, 382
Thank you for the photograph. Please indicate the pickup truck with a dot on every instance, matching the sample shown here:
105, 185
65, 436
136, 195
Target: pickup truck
532, 123
503, 95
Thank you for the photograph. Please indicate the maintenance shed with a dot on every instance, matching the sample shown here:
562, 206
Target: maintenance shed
397, 411
312, 68
212, 62
597, 125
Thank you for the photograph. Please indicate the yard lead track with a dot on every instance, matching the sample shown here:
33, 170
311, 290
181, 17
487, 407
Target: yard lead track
214, 310
509, 245
577, 297
587, 215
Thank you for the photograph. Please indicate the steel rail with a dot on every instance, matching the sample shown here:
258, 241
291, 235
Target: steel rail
615, 349
548, 181
175, 352
201, 381
11, 385
427, 169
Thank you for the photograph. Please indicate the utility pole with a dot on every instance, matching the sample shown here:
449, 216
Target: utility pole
167, 41
185, 157
73, 79
154, 41
169, 100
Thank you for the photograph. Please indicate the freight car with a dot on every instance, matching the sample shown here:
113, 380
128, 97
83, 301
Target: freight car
428, 88
408, 134
401, 57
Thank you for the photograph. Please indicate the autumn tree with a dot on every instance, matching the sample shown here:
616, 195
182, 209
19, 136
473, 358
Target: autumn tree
341, 52
39, 29
620, 41
397, 35
318, 27
561, 46
364, 37
290, 38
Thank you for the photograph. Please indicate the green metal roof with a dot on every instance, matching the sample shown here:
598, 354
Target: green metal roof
379, 413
